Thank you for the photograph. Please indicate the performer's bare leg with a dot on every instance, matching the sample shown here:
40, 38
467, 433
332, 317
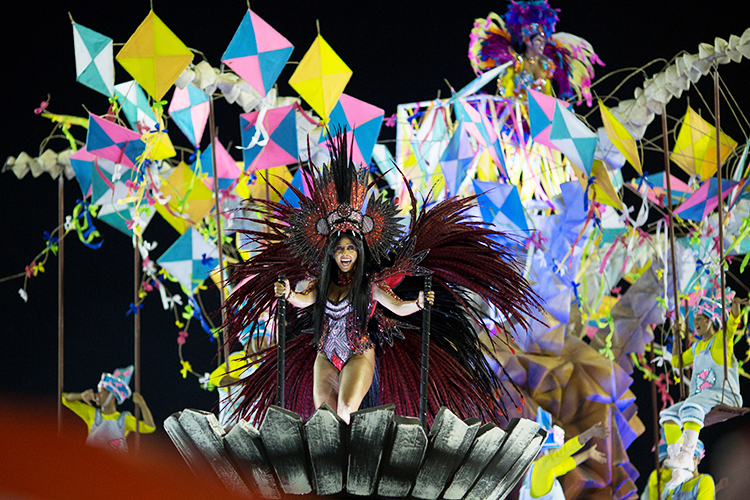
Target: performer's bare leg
325, 382
355, 381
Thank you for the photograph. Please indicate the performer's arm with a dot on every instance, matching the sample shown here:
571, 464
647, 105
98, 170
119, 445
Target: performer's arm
301, 300
148, 419
401, 307
717, 349
81, 404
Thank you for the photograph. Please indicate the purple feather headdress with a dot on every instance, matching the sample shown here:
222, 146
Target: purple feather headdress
523, 14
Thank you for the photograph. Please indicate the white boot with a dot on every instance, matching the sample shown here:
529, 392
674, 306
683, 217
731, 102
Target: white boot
674, 449
679, 476
685, 458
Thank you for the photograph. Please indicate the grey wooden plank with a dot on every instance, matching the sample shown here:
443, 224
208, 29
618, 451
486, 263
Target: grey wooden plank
368, 432
518, 469
325, 433
450, 439
283, 439
487, 443
245, 447
181, 439
402, 457
521, 436
207, 434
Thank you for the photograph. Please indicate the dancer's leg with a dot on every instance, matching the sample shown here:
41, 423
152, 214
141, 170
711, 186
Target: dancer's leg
355, 381
325, 382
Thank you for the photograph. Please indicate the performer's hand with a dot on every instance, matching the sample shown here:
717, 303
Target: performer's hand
736, 303
430, 299
89, 397
282, 289
138, 399
595, 431
596, 455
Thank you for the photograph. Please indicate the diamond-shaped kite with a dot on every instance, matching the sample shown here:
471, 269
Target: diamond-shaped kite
154, 56
602, 185
479, 127
226, 168
572, 137
361, 119
107, 195
501, 204
95, 67
620, 137
135, 105
190, 259
82, 161
321, 77
705, 199
281, 148
189, 109
189, 198
457, 159
113, 142
257, 53
541, 113
695, 149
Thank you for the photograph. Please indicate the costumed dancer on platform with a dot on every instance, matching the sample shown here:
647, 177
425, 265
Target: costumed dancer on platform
540, 481
525, 38
107, 427
683, 421
355, 276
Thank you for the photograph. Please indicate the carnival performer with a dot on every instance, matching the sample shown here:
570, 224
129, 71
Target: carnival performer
683, 421
525, 40
700, 487
108, 428
540, 481
354, 342
225, 380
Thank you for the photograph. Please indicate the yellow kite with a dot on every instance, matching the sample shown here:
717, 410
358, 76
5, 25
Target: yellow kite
602, 185
321, 77
695, 149
154, 56
621, 138
188, 196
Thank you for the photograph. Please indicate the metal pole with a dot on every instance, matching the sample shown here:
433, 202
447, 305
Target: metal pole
280, 345
425, 354
721, 226
137, 339
677, 341
212, 125
60, 296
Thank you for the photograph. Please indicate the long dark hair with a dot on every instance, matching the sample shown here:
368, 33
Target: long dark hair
359, 296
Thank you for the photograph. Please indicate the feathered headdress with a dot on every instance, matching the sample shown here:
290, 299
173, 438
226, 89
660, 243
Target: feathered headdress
338, 191
524, 19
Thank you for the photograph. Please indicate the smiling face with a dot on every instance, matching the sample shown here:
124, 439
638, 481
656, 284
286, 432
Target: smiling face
703, 327
535, 46
345, 254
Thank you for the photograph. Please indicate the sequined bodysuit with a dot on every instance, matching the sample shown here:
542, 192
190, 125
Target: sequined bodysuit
341, 337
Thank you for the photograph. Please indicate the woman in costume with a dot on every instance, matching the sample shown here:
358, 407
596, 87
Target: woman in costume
345, 364
525, 39
352, 341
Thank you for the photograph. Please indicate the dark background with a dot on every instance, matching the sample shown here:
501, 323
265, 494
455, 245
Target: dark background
399, 51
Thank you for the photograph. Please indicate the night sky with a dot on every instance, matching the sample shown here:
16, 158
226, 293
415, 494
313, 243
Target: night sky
399, 51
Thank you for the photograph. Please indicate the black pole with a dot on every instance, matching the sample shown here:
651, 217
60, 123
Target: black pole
281, 344
425, 353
